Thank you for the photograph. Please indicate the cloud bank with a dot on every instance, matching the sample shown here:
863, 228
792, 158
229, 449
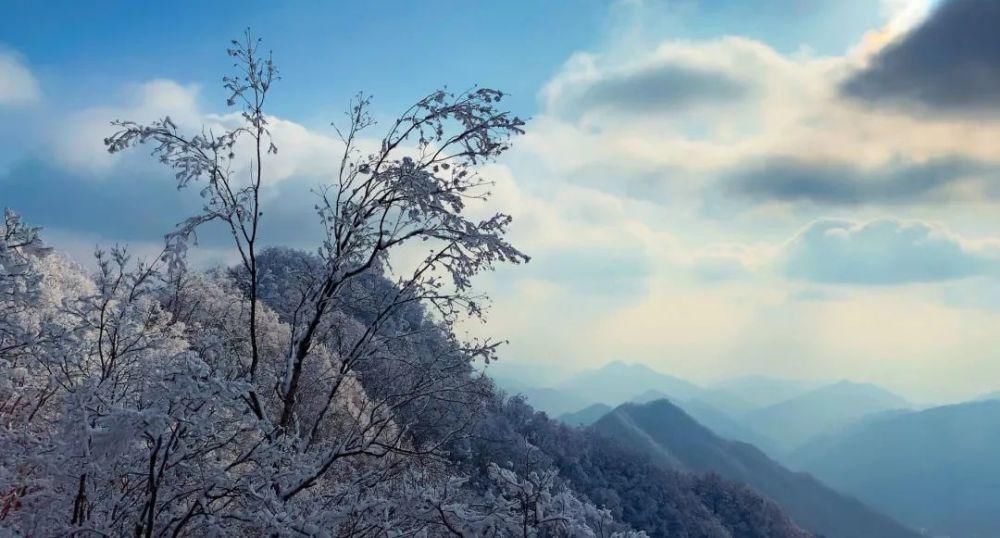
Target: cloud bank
657, 85
844, 184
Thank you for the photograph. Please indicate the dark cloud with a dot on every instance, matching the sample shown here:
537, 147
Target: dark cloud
661, 87
116, 207
139, 205
882, 252
950, 63
836, 183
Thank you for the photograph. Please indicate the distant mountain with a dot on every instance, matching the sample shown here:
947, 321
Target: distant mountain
676, 441
995, 395
731, 404
618, 382
554, 402
793, 422
586, 416
744, 394
935, 469
611, 384
651, 396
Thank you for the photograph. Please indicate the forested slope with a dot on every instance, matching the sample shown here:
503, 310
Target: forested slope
674, 440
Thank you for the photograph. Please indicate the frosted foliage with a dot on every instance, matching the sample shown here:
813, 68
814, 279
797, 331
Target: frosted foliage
125, 411
295, 394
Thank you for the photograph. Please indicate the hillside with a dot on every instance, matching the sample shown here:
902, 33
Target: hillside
675, 441
616, 474
935, 469
721, 423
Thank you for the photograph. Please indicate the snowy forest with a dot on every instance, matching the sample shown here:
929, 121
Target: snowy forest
307, 393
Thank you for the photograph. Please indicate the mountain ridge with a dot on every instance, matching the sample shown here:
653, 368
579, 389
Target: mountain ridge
675, 440
794, 422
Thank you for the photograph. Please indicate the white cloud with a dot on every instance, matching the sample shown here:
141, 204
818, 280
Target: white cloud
78, 140
18, 86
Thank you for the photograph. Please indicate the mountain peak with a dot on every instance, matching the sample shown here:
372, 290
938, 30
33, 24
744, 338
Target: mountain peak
622, 365
860, 388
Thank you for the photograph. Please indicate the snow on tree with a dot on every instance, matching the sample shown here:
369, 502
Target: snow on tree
296, 394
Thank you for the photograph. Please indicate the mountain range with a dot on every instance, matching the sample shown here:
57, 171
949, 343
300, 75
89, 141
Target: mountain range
936, 469
619, 382
776, 415
933, 469
795, 421
757, 391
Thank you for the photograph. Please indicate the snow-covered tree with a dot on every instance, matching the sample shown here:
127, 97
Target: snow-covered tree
295, 394
130, 416
20, 287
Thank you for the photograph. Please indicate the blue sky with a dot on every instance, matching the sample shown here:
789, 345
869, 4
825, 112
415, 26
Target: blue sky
394, 48
327, 50
803, 188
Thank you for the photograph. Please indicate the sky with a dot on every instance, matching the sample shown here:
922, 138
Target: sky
797, 188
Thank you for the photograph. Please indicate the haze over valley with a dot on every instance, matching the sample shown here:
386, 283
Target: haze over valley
931, 467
